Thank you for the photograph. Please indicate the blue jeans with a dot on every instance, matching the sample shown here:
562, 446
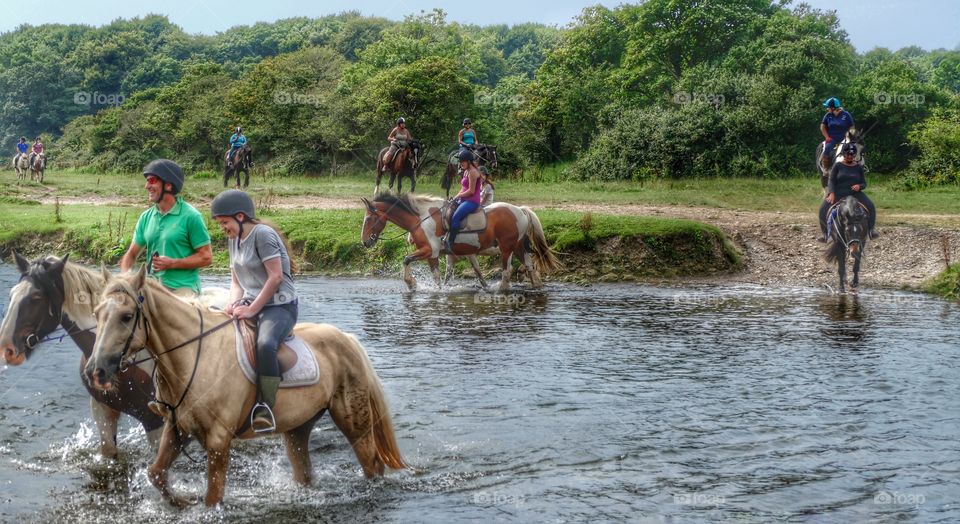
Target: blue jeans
464, 209
275, 323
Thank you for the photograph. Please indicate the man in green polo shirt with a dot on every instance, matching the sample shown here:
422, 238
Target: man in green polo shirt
172, 232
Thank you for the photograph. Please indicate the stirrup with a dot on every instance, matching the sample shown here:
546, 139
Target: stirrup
271, 420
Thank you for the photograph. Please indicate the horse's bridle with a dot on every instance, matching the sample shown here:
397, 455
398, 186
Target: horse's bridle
836, 225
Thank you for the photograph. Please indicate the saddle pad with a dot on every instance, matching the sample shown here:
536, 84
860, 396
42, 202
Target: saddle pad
305, 372
476, 221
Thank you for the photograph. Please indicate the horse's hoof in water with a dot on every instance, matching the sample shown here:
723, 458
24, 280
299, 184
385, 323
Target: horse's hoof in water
182, 502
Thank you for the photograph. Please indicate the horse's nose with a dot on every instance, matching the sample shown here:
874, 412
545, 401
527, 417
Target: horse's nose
11, 354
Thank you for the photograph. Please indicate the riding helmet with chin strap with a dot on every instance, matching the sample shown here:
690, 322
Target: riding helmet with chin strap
230, 203
466, 121
168, 171
832, 103
401, 120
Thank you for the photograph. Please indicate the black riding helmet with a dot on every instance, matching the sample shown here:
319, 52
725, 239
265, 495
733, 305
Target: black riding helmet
465, 155
466, 121
168, 171
401, 120
231, 202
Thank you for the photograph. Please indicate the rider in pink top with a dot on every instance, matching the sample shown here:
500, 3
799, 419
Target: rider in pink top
37, 149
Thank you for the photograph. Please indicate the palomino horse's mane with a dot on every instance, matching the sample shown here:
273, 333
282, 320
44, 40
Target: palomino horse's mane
416, 204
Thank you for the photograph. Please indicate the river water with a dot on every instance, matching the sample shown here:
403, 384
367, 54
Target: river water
600, 403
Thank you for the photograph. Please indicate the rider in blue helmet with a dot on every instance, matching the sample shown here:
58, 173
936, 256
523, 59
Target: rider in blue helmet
833, 127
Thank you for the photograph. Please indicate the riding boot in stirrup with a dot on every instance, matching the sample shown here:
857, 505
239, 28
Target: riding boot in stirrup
451, 237
261, 416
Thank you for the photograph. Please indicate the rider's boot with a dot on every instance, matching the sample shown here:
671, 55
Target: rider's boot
261, 416
449, 240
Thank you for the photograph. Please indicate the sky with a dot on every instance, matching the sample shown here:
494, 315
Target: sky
893, 24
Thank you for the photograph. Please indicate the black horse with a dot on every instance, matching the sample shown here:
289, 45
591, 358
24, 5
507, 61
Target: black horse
242, 160
54, 292
849, 229
486, 157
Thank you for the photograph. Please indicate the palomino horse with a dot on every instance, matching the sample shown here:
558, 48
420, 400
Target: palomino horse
852, 136
486, 157
403, 164
21, 166
37, 167
240, 162
204, 392
511, 232
849, 230
55, 292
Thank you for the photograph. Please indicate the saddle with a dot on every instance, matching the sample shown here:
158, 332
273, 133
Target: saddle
298, 364
475, 222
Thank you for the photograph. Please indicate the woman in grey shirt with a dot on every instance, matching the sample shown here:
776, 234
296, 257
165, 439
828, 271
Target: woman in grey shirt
261, 287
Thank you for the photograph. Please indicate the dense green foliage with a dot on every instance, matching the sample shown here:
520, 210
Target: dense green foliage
666, 88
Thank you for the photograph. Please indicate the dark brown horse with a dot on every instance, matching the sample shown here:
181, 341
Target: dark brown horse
403, 164
485, 154
54, 292
849, 230
241, 160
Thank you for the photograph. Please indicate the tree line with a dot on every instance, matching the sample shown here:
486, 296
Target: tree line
666, 88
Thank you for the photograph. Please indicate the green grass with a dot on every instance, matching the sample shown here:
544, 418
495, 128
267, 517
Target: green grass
946, 284
329, 240
543, 186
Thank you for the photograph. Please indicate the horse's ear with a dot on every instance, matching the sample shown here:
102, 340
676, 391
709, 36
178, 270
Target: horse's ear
368, 204
105, 273
57, 266
22, 264
141, 278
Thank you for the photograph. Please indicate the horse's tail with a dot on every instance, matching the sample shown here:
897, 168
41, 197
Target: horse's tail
544, 257
387, 449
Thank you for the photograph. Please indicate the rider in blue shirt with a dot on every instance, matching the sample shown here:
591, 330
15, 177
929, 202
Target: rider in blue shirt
22, 147
237, 140
833, 127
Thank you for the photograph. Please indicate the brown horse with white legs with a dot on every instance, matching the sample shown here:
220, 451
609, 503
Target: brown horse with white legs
511, 232
54, 292
203, 391
403, 164
37, 167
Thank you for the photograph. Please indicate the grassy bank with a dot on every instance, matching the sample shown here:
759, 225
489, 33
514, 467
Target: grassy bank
946, 284
600, 247
539, 186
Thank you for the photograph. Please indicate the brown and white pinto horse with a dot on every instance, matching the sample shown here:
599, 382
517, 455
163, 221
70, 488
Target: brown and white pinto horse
37, 168
54, 292
204, 393
511, 232
403, 164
